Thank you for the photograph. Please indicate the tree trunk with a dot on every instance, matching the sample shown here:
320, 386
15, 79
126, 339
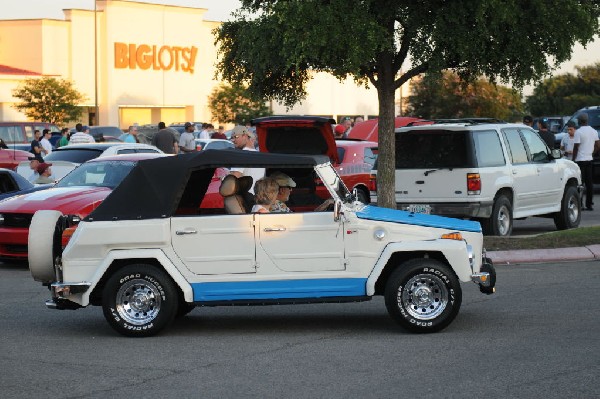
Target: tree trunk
386, 161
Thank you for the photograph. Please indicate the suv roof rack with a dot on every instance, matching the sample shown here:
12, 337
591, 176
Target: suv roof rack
470, 121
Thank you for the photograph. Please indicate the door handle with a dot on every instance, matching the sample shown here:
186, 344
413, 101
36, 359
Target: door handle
274, 229
186, 231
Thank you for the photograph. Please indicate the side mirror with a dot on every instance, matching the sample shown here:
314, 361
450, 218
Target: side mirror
337, 210
555, 154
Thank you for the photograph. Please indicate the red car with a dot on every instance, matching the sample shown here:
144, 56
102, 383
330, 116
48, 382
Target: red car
76, 195
10, 159
313, 135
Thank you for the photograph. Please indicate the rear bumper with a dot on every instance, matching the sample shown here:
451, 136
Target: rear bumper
478, 209
60, 292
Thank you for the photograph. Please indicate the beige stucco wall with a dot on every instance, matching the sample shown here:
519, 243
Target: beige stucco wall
65, 48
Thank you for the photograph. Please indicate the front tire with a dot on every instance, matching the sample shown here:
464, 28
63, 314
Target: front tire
500, 222
569, 216
423, 295
139, 300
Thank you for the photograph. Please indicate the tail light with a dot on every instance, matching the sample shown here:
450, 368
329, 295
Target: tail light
473, 183
66, 235
373, 182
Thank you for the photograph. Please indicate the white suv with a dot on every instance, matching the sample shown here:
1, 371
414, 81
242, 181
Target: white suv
491, 172
149, 253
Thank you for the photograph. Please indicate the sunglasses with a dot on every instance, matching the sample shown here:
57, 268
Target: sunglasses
237, 136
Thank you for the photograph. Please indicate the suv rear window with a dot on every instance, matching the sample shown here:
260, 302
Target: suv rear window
432, 149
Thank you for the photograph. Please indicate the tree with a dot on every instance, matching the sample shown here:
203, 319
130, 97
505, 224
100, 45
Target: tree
446, 96
274, 45
564, 94
49, 100
233, 104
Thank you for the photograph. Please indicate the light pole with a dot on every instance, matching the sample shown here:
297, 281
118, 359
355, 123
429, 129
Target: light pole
96, 110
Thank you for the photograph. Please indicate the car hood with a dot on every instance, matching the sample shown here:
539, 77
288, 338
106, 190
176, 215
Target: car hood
68, 200
370, 212
32, 189
303, 135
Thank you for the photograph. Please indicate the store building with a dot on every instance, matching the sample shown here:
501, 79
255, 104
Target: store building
141, 63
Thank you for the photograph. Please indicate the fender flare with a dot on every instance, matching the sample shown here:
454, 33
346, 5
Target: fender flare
156, 254
455, 251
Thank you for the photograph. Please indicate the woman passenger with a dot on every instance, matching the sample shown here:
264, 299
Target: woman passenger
265, 194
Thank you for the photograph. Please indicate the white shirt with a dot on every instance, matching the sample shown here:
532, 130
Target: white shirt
81, 138
585, 136
204, 134
46, 146
186, 140
256, 173
567, 143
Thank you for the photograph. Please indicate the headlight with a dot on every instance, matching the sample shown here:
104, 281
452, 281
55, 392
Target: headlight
1, 219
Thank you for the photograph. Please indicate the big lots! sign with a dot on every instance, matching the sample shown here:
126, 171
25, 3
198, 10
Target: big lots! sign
165, 58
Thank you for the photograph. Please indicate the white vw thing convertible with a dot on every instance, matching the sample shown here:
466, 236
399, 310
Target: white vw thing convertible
150, 253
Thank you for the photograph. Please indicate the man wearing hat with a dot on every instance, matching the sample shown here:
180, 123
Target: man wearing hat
286, 184
528, 120
187, 142
585, 145
44, 171
33, 165
243, 139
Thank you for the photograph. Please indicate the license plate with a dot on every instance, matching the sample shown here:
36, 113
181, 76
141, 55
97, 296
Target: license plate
420, 208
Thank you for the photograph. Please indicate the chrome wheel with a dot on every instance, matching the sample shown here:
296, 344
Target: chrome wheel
425, 296
138, 301
503, 221
573, 209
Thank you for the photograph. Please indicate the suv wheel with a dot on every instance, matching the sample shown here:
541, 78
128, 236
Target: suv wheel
423, 295
500, 222
570, 210
139, 300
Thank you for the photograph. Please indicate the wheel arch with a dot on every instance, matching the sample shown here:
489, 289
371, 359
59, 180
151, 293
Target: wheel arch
449, 252
116, 260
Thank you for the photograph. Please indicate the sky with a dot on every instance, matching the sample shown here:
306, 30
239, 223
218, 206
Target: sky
220, 10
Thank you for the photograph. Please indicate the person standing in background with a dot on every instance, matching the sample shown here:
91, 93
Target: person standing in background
187, 142
36, 147
81, 136
220, 134
64, 139
546, 134
45, 142
130, 136
528, 120
586, 144
165, 140
568, 141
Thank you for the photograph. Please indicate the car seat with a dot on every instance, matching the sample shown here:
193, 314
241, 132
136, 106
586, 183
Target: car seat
235, 193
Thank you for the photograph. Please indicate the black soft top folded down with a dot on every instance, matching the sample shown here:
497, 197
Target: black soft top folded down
155, 187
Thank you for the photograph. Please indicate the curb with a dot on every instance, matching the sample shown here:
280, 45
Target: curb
590, 252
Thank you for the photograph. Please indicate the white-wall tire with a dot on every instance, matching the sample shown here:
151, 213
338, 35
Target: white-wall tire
40, 245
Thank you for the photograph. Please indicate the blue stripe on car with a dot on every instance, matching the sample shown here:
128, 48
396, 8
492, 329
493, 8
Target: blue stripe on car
392, 215
279, 289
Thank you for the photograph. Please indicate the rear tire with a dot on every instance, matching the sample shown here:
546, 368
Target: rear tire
423, 295
139, 300
500, 223
569, 216
41, 245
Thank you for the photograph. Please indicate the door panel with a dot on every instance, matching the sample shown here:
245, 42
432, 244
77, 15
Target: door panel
220, 244
301, 242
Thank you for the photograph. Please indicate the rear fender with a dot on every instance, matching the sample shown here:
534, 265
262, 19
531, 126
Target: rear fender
454, 251
112, 256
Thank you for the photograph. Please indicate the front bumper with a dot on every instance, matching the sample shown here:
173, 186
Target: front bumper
486, 277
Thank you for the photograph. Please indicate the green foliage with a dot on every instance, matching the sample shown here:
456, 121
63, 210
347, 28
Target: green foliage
49, 100
446, 96
564, 94
233, 104
273, 46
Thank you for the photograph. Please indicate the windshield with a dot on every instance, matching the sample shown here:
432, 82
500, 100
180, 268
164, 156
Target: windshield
103, 174
333, 182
